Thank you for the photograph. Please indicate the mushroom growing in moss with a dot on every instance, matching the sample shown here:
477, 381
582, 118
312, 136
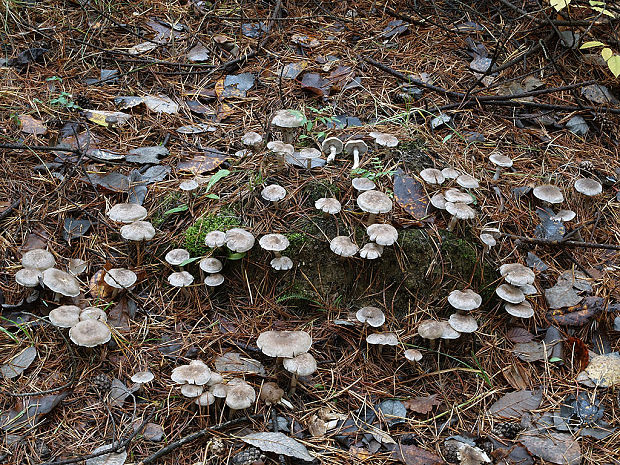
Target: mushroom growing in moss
382, 234
343, 246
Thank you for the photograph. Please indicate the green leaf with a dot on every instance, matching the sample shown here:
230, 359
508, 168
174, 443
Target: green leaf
215, 178
447, 138
555, 359
614, 65
179, 209
188, 261
606, 53
236, 255
213, 196
559, 4
592, 43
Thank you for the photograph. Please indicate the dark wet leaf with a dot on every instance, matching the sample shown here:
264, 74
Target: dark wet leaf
30, 125
474, 137
533, 261
198, 53
126, 102
156, 173
114, 182
147, 155
531, 351
584, 409
28, 412
394, 411
516, 334
343, 122
118, 393
313, 82
516, 375
413, 455
550, 229
519, 192
557, 448
577, 125
394, 28
410, 195
514, 404
599, 93
211, 159
574, 315
138, 190
253, 30
508, 453
342, 77
165, 30
293, 70
304, 40
74, 228
28, 56
440, 120
16, 365
422, 405
198, 108
234, 362
120, 314
278, 443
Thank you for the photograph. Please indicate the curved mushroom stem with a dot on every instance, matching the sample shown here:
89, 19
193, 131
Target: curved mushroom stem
498, 170
293, 387
356, 159
332, 155
452, 223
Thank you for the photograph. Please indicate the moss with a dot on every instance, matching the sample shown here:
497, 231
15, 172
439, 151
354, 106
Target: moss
296, 241
170, 201
318, 189
194, 236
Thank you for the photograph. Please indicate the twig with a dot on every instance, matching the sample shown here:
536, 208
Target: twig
560, 243
7, 211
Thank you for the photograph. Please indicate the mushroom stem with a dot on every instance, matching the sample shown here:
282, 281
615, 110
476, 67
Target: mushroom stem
138, 254
309, 163
356, 159
277, 254
293, 387
452, 223
372, 217
332, 155
288, 135
498, 170
57, 296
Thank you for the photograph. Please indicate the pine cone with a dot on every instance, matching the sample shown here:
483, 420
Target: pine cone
248, 456
507, 430
217, 446
102, 382
449, 450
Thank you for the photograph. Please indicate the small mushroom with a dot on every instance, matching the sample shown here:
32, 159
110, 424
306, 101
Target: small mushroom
214, 280
189, 185
138, 231
384, 140
120, 278
588, 187
327, 205
438, 201
253, 140
142, 377
467, 181
466, 300
456, 195
210, 265
61, 283
239, 395
288, 121
284, 344
196, 372
563, 216
413, 355
38, 259
205, 399
382, 339
177, 256
281, 150
309, 154
343, 246
520, 310
374, 202
372, 316
77, 266
500, 161
331, 147
301, 365
548, 194
191, 390
281, 263
489, 241
459, 211
450, 173
28, 277
93, 313
463, 323
273, 193
90, 333
382, 234
355, 147
65, 316
180, 279
371, 251
517, 274
239, 240
431, 330
274, 242
215, 239
448, 332
511, 294
432, 176
127, 212
271, 393
363, 184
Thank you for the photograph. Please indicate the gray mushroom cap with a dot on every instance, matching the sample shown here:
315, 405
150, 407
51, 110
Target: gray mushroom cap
252, 139
548, 193
430, 329
464, 300
28, 277
450, 173
588, 186
281, 263
65, 316
463, 323
60, 282
382, 339
138, 231
189, 185
343, 246
215, 239
382, 234
372, 316
38, 259
191, 390
448, 332
309, 153
180, 279
456, 195
386, 140
77, 266
273, 193
413, 355
218, 390
371, 251
517, 274
520, 310
205, 399
353, 144
438, 200
127, 212
374, 202
197, 372
239, 395
90, 333
363, 184
328, 205
279, 147
330, 142
271, 394
120, 278
210, 265
93, 313
528, 289
564, 215
301, 365
214, 280
488, 240
239, 240
500, 160
274, 242
432, 176
467, 181
286, 344
142, 377
460, 210
510, 294
287, 119
177, 256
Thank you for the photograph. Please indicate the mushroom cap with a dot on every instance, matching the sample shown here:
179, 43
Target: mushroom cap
386, 140
309, 153
28, 277
492, 231
563, 215
588, 186
432, 176
528, 289
216, 378
374, 202
517, 274
77, 266
500, 160
430, 329
520, 310
215, 239
342, 245
177, 256
511, 294
273, 193
210, 265
281, 263
38, 259
191, 390
197, 372
239, 240
464, 300
461, 211
65, 316
382, 234
463, 323
138, 231
353, 144
448, 332
214, 280
456, 195
328, 205
251, 139
371, 251
286, 344
279, 147
93, 313
271, 393
143, 377
61, 282
438, 200
372, 316
189, 185
180, 279
240, 395
219, 390
488, 240
127, 212
382, 339
363, 184
205, 399
548, 193
288, 119
450, 173
330, 142
90, 333
467, 181
275, 242
413, 355
302, 365
120, 278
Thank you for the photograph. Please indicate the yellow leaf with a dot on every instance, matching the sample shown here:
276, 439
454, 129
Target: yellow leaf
606, 53
592, 43
614, 65
559, 4
604, 11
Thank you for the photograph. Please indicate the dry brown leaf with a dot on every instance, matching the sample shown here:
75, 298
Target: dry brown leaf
516, 334
514, 404
413, 455
557, 448
516, 375
422, 405
30, 125
203, 163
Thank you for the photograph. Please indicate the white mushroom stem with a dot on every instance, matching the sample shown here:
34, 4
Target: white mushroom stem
332, 154
309, 163
356, 158
498, 170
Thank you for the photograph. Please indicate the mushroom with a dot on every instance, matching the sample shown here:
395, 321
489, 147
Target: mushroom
253, 140
528, 289
467, 181
517, 274
271, 393
413, 355
456, 195
432, 176
284, 344
384, 140
438, 201
459, 211
274, 242
119, 278
281, 150
466, 300
309, 154
142, 377
210, 265
342, 245
288, 121
301, 365
205, 399
239, 395
463, 323
548, 193
176, 257
273, 193
138, 231
77, 266
61, 283
450, 173
382, 339
563, 216
374, 202
371, 251
191, 390
331, 146
28, 277
214, 280
488, 240
520, 310
588, 187
281, 263
65, 316
189, 185
180, 279
431, 330
215, 239
38, 259
329, 206
127, 212
382, 234
448, 332
500, 161
372, 316
197, 372
511, 294
90, 333
239, 240
93, 313
363, 184
356, 147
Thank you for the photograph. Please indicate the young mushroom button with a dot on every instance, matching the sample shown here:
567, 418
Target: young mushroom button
356, 148
239, 395
301, 365
288, 121
210, 265
281, 263
413, 355
382, 339
177, 256
274, 242
386, 140
374, 202
180, 279
252, 139
214, 280
331, 146
500, 161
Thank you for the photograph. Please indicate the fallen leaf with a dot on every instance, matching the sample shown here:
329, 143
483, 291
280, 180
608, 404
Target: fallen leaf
305, 40
409, 194
577, 354
234, 362
599, 93
147, 155
107, 118
340, 77
16, 365
575, 315
113, 182
394, 411
118, 393
203, 163
28, 56
30, 125
196, 128
126, 102
30, 411
516, 334
604, 370
278, 443
423, 405
314, 83
514, 404
413, 455
395, 28
74, 228
531, 351
253, 30
161, 104
557, 448
561, 296
293, 70
516, 375
113, 458
198, 53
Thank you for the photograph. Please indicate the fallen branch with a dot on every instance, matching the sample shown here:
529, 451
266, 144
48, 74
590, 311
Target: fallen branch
561, 243
7, 211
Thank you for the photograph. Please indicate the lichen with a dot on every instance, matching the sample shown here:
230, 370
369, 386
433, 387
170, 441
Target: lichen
194, 236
